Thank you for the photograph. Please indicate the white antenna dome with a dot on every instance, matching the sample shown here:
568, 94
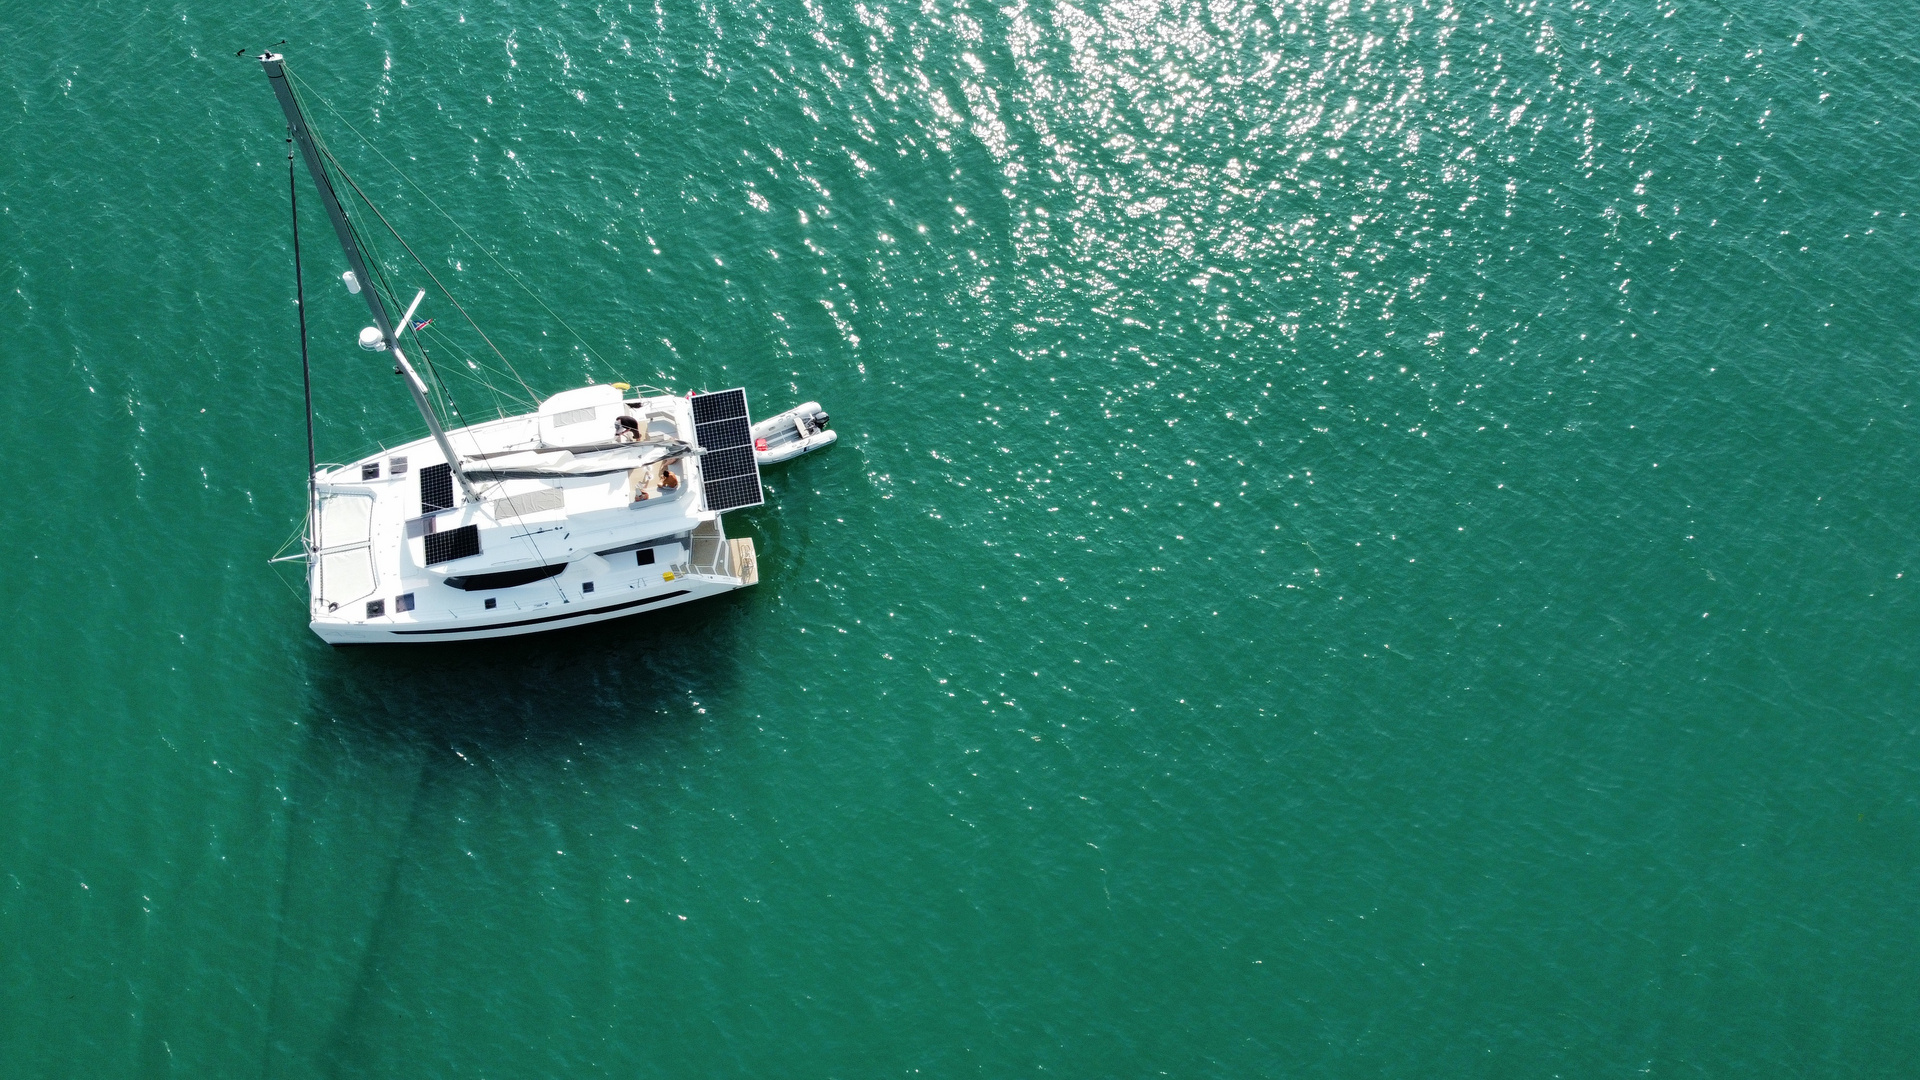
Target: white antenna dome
371, 339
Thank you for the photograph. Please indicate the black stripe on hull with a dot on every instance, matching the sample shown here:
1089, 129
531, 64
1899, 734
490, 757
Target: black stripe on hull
546, 618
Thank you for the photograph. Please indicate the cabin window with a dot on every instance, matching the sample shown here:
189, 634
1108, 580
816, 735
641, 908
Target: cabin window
397, 466
453, 544
492, 603
644, 556
376, 608
403, 602
587, 587
370, 471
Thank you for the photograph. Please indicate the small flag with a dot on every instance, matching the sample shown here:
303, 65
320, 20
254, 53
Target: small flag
422, 325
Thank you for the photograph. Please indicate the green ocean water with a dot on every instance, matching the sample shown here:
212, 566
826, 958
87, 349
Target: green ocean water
1367, 539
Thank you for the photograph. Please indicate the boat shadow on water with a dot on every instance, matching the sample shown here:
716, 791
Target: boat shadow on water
560, 686
405, 745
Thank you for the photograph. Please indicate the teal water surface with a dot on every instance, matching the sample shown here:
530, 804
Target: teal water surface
1367, 539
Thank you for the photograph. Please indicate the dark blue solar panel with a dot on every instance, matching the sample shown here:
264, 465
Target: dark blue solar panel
721, 434
453, 544
729, 474
723, 405
733, 493
436, 488
719, 464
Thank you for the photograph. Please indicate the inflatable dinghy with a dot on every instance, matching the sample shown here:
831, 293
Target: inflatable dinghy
794, 432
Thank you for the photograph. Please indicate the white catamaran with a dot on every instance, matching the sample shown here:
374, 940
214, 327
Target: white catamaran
595, 506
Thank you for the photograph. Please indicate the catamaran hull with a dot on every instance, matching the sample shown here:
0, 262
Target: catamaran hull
533, 620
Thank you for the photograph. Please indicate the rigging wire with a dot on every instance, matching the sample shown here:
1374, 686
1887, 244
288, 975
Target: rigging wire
306, 368
443, 341
300, 305
435, 372
363, 237
517, 280
526, 531
442, 394
437, 386
416, 258
423, 266
440, 384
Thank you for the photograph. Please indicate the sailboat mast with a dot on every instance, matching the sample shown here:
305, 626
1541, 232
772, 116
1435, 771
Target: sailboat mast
297, 129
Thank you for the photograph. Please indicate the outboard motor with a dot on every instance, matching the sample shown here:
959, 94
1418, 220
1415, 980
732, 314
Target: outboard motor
820, 420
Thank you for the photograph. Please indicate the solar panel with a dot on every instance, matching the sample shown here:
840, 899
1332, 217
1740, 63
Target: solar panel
436, 488
729, 474
733, 431
452, 544
733, 492
737, 461
721, 405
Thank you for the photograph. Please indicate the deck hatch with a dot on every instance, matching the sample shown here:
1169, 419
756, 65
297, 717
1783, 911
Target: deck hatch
729, 475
